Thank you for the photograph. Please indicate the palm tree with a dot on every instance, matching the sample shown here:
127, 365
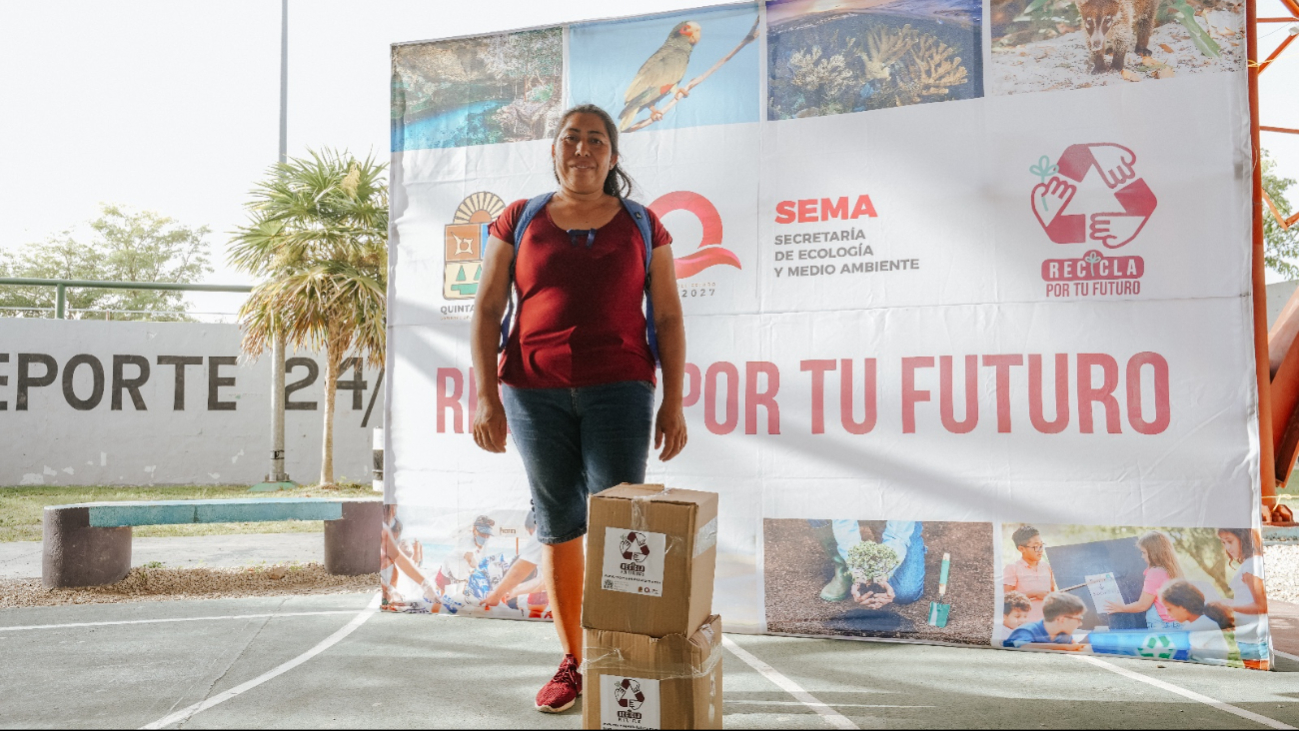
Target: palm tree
318, 234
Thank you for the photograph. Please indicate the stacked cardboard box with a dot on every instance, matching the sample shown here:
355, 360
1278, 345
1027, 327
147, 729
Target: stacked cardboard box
652, 645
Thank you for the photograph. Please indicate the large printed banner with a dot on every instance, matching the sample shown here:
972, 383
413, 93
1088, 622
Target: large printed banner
968, 309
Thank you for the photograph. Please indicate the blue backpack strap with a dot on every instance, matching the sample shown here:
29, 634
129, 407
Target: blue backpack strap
530, 211
641, 217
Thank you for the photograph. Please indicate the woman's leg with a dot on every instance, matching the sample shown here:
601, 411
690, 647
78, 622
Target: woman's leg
617, 421
564, 567
544, 425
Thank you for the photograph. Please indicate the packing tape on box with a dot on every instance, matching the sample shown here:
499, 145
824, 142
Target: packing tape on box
640, 509
611, 661
640, 506
706, 537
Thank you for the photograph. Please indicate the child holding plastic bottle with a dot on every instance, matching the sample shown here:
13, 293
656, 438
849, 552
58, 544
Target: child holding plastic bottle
1161, 567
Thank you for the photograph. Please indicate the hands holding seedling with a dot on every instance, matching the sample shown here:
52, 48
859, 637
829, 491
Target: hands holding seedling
873, 599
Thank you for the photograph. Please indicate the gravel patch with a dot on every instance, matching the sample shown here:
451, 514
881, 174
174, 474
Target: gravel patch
1281, 569
146, 583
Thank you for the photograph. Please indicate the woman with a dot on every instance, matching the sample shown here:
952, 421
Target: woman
1030, 575
576, 380
1244, 547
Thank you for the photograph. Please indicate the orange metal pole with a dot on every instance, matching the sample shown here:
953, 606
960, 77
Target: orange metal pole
1263, 66
1267, 459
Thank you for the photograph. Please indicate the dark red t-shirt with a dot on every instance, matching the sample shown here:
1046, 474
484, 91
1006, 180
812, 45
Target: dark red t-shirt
579, 319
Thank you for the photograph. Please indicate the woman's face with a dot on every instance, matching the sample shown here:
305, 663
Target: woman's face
582, 154
1231, 544
1145, 556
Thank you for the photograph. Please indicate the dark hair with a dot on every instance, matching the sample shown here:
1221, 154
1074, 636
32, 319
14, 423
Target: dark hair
1024, 534
1248, 538
1184, 594
1016, 600
1058, 604
1224, 615
618, 183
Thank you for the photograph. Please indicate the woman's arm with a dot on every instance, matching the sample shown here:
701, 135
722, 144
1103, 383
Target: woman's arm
1255, 604
669, 325
1140, 605
485, 331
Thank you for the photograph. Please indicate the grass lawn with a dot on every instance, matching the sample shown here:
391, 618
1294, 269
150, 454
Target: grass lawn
21, 508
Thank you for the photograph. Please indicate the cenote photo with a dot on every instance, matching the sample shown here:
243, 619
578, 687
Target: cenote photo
465, 124
893, 55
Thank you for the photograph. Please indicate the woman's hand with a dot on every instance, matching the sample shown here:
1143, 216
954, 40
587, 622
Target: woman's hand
489, 426
1112, 607
670, 431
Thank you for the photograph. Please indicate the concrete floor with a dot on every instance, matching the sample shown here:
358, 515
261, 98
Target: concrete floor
64, 667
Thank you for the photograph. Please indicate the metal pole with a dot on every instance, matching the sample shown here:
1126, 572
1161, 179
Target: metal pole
284, 79
60, 301
277, 476
1266, 437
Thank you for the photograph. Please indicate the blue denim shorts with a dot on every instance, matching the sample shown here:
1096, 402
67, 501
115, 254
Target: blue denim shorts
576, 442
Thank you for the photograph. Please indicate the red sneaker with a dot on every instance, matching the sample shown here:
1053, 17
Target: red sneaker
562, 691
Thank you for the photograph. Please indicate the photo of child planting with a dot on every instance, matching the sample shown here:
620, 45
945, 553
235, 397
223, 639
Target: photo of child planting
1192, 594
1045, 45
895, 578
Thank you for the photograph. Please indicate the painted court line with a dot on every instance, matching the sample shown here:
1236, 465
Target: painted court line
186, 713
837, 705
831, 716
1287, 655
1131, 675
71, 625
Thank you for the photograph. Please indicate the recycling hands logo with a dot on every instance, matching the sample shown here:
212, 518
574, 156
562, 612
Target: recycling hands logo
1111, 220
629, 695
633, 547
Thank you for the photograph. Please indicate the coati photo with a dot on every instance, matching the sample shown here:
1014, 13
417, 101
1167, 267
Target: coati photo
1047, 45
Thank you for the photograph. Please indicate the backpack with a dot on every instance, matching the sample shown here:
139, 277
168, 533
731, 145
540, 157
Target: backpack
638, 215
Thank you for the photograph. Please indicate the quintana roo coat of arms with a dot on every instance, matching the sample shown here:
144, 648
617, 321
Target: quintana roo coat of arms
466, 237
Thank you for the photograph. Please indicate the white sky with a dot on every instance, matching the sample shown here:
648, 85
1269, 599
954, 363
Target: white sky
173, 107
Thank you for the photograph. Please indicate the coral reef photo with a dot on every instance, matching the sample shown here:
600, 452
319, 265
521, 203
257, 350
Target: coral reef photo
477, 91
1046, 45
840, 57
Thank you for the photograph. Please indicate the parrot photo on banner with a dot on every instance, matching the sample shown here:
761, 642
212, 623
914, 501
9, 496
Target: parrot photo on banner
660, 74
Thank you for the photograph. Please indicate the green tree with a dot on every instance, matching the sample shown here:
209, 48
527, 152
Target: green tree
1281, 245
318, 236
122, 245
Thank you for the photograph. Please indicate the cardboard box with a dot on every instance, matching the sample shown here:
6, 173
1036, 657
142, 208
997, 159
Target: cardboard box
651, 554
635, 681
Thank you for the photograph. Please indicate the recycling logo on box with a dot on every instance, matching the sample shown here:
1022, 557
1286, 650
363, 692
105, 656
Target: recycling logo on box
634, 547
633, 561
629, 702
